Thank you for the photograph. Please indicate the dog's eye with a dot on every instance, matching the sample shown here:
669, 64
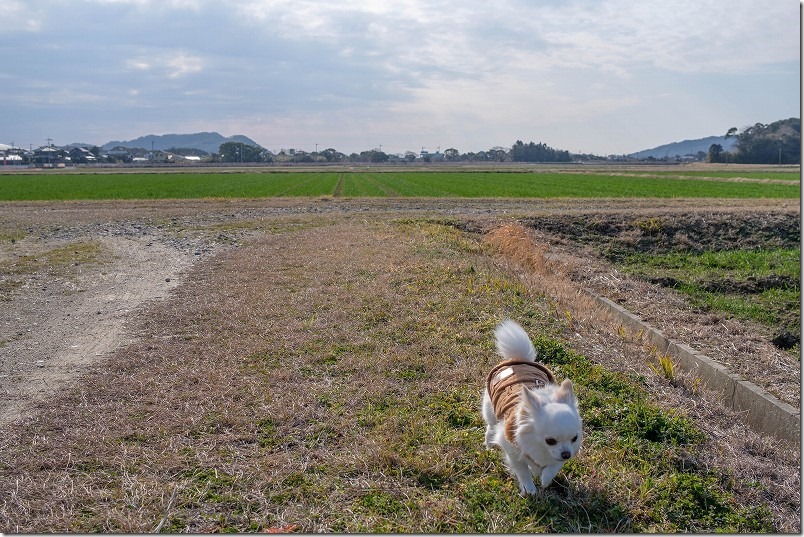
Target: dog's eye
550, 441
575, 438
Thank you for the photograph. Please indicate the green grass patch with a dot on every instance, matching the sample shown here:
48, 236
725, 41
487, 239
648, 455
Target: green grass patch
758, 285
11, 235
164, 185
768, 174
639, 451
187, 185
740, 264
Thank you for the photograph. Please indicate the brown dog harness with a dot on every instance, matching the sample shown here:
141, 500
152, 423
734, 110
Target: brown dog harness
504, 383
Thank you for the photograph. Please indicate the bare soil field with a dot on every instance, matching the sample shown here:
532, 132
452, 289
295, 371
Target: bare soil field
91, 292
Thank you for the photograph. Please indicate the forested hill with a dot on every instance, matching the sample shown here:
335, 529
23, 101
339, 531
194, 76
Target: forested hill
776, 143
686, 147
206, 141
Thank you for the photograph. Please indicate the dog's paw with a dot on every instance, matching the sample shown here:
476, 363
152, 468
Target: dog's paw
549, 473
528, 489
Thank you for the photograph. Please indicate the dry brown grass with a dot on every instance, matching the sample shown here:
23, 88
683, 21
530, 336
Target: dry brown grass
327, 378
547, 274
238, 408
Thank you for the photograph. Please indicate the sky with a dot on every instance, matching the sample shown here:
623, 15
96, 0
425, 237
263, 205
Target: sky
603, 77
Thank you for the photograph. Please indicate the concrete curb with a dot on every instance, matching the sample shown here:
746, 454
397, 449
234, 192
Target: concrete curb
760, 410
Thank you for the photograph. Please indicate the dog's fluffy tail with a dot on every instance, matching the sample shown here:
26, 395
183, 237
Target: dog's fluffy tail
513, 342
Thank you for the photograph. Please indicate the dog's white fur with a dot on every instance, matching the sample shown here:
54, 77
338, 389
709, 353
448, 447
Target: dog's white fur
548, 428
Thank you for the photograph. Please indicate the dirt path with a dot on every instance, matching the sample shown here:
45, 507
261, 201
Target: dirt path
57, 325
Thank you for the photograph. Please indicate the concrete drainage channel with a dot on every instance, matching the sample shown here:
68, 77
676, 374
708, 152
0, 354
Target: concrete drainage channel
760, 410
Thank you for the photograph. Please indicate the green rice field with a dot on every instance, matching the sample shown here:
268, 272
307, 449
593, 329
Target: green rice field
494, 184
783, 176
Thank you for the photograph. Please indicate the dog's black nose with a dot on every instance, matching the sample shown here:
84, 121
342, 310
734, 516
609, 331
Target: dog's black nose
566, 455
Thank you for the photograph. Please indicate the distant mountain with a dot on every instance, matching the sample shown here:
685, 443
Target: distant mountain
78, 144
687, 147
206, 141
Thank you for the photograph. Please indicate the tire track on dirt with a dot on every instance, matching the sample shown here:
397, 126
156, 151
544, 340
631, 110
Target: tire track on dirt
338, 192
382, 187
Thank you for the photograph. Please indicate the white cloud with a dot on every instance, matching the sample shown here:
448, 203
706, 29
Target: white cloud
154, 5
182, 64
679, 35
510, 100
172, 64
19, 16
138, 64
413, 44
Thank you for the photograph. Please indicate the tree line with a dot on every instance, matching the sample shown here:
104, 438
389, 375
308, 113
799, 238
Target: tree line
776, 143
233, 152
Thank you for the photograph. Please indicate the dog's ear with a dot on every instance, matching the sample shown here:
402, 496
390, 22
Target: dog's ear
533, 400
565, 393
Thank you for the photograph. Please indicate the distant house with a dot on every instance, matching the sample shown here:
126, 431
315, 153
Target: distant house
48, 156
8, 158
118, 153
82, 155
10, 155
431, 157
160, 156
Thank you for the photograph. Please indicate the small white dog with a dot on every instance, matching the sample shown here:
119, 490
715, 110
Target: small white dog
534, 420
